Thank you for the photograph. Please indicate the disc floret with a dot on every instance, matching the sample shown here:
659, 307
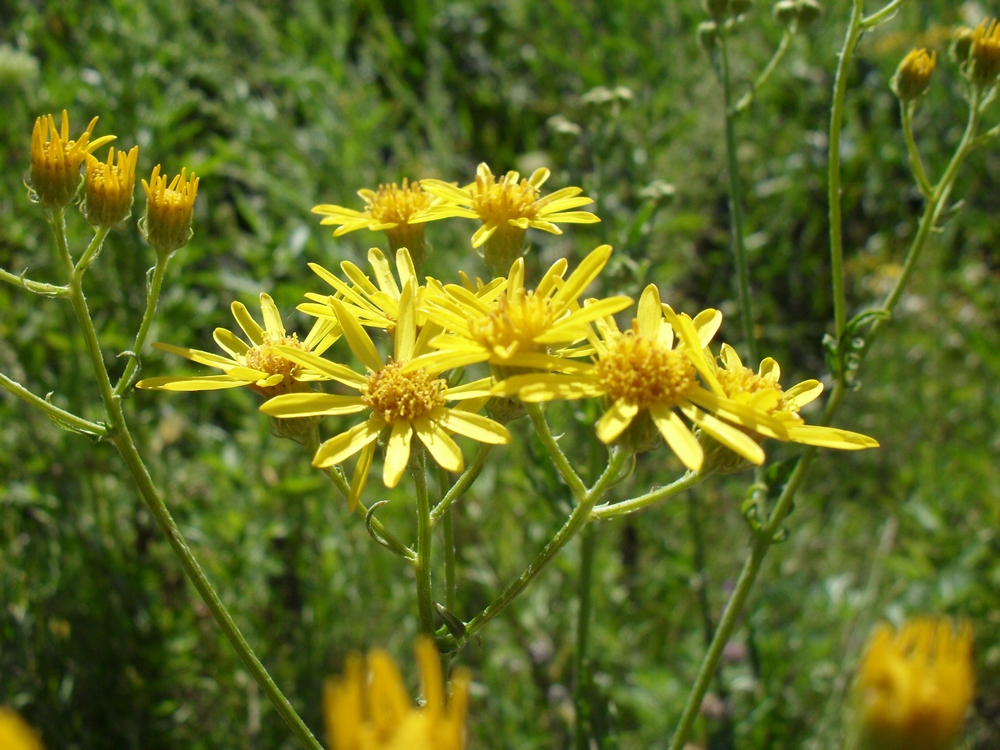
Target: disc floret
395, 394
643, 372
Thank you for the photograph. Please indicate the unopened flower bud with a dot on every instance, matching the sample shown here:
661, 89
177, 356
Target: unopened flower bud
913, 74
809, 13
961, 44
786, 12
110, 188
985, 53
56, 160
167, 223
708, 36
717, 9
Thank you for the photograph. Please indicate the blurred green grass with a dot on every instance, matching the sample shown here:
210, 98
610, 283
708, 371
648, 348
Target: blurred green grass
280, 106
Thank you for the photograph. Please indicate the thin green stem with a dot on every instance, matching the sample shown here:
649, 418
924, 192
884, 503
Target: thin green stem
615, 510
562, 464
576, 521
122, 439
881, 16
588, 543
736, 206
59, 415
92, 251
779, 54
448, 528
457, 490
834, 195
916, 163
45, 290
425, 603
152, 299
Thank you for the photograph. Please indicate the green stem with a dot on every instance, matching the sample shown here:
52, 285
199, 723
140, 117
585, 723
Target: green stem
425, 604
834, 195
45, 290
588, 538
152, 299
92, 251
450, 580
688, 480
122, 439
916, 163
460, 487
562, 464
736, 206
779, 54
60, 415
881, 16
576, 521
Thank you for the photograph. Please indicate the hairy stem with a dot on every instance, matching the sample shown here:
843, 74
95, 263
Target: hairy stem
45, 290
779, 54
60, 415
425, 604
562, 464
581, 686
457, 490
152, 299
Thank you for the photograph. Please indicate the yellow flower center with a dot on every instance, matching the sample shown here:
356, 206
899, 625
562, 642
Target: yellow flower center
517, 318
265, 358
393, 394
395, 204
496, 201
643, 372
745, 380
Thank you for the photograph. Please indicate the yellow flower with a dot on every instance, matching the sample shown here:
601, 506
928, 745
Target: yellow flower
390, 210
15, 734
506, 207
260, 365
914, 686
169, 208
985, 52
403, 396
914, 74
110, 188
369, 708
762, 392
510, 326
650, 370
56, 160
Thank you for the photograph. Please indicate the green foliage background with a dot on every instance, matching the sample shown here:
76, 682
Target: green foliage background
280, 106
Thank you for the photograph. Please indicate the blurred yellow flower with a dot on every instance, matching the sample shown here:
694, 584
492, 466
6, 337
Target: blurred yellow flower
649, 369
110, 188
15, 734
510, 326
369, 709
405, 396
169, 209
259, 365
914, 74
985, 52
390, 210
915, 686
56, 160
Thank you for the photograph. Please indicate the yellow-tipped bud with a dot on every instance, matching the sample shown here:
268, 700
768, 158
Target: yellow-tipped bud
914, 74
15, 734
985, 53
167, 223
915, 685
110, 188
56, 160
961, 44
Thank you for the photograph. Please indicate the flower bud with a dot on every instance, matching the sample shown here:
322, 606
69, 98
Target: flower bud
985, 53
809, 13
913, 74
796, 15
717, 9
110, 188
56, 160
961, 44
708, 36
167, 223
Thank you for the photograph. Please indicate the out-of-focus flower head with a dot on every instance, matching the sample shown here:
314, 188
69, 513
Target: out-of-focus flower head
913, 75
15, 734
169, 209
56, 160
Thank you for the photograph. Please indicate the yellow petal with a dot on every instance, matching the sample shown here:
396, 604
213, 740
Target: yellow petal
360, 477
272, 318
483, 234
473, 389
405, 267
356, 277
334, 371
680, 439
341, 447
804, 393
474, 426
730, 358
616, 420
830, 437
442, 448
737, 441
588, 270
649, 315
707, 323
383, 274
406, 323
312, 405
207, 383
196, 355
357, 338
253, 331
229, 342
397, 452
739, 414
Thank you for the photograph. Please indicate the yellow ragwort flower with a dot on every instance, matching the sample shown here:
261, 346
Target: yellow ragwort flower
259, 365
56, 160
369, 709
169, 208
404, 396
506, 207
762, 391
389, 210
110, 188
651, 368
913, 75
15, 734
510, 326
914, 686
985, 52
